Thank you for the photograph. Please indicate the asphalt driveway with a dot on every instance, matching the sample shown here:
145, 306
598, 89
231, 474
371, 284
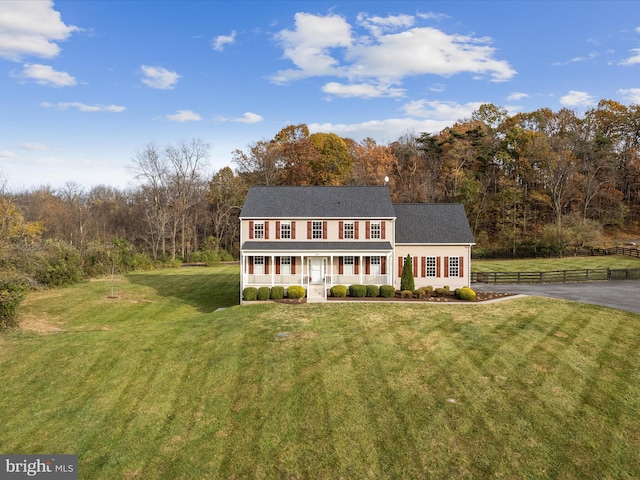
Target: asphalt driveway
623, 294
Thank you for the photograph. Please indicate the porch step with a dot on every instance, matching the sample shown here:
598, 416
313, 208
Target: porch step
315, 293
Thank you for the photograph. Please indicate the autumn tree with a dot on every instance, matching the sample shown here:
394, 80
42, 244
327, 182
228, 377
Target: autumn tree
371, 162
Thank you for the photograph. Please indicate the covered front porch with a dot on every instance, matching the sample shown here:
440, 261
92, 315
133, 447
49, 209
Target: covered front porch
319, 263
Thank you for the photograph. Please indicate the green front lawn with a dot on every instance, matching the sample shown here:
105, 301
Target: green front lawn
156, 384
555, 264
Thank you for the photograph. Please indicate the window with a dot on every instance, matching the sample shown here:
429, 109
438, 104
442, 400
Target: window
454, 267
285, 265
316, 230
285, 229
374, 263
258, 265
258, 230
348, 230
376, 230
348, 263
431, 267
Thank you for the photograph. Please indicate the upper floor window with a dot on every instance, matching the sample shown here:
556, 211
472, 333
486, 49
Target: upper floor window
316, 229
348, 230
258, 230
285, 229
376, 230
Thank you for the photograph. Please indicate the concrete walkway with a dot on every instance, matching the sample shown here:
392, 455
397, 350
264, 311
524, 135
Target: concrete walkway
623, 294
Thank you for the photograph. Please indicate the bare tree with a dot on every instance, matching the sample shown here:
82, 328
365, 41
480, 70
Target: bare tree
151, 168
187, 161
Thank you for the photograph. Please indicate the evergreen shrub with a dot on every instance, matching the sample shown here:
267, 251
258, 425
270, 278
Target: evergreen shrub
296, 292
339, 291
466, 293
407, 282
358, 291
264, 293
373, 291
406, 294
277, 293
250, 294
387, 291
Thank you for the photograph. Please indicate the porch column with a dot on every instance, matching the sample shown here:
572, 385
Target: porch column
331, 270
301, 269
273, 269
360, 268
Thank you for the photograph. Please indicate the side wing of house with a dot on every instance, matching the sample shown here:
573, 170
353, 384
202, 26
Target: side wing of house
320, 236
439, 241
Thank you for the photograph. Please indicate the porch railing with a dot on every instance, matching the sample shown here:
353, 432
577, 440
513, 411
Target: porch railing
330, 280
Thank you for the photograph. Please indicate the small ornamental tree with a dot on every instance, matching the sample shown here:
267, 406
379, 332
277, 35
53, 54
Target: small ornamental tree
406, 281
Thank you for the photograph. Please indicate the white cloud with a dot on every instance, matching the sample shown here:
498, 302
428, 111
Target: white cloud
634, 59
420, 116
577, 99
83, 107
383, 131
249, 118
7, 155
379, 25
309, 46
184, 116
631, 94
46, 75
515, 96
159, 77
31, 29
390, 51
222, 40
442, 111
34, 146
362, 90
432, 16
422, 51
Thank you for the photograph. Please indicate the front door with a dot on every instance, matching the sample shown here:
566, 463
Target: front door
316, 270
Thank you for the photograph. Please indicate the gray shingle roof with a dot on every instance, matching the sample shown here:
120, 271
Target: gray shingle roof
432, 223
317, 202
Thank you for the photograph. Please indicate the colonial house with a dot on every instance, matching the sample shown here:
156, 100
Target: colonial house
318, 237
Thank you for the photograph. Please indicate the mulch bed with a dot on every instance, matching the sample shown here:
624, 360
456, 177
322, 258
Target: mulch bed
480, 297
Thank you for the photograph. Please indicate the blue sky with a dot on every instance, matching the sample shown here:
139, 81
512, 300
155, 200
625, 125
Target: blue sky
86, 84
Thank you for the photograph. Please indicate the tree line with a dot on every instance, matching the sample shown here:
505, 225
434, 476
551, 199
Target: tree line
541, 182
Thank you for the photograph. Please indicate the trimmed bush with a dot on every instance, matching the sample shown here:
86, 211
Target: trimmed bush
373, 291
441, 292
420, 293
406, 294
296, 292
250, 294
358, 291
339, 291
387, 291
264, 293
277, 293
466, 293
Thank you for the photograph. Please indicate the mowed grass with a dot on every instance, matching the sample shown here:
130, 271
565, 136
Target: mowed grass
555, 264
157, 384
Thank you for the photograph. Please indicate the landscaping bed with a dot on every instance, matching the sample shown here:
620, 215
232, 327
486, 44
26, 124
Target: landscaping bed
480, 297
